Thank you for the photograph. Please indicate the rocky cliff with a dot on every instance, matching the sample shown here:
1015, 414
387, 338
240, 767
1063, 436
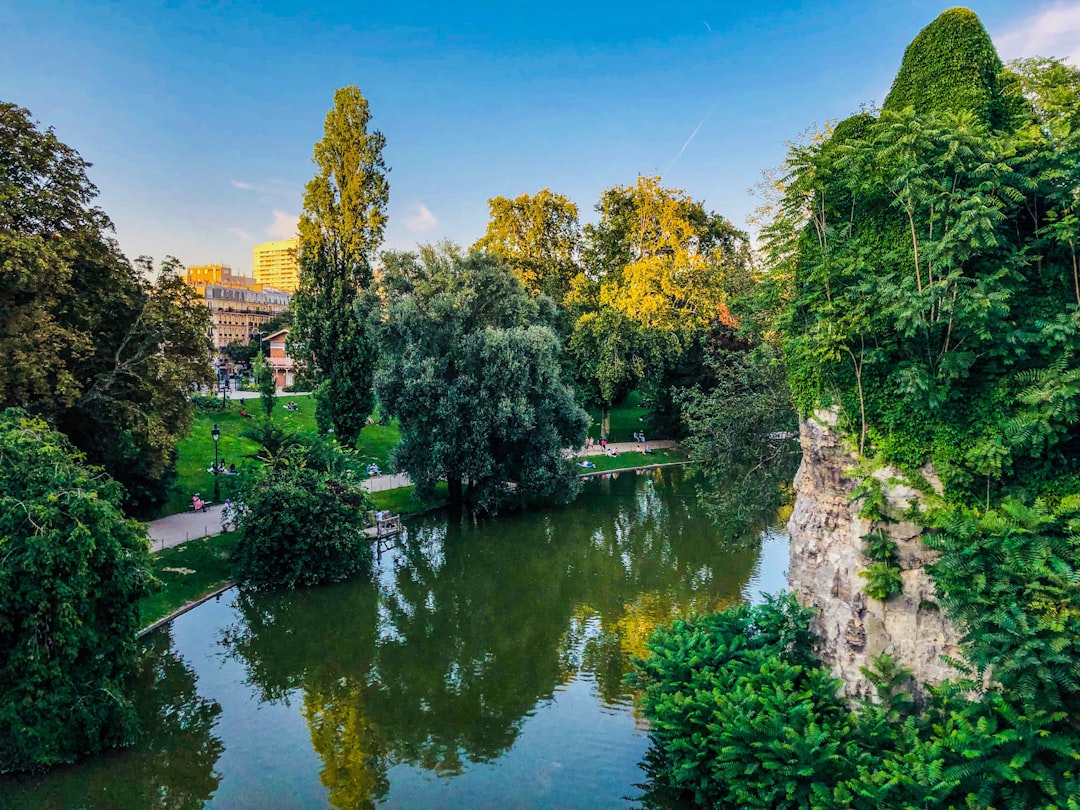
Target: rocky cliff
826, 558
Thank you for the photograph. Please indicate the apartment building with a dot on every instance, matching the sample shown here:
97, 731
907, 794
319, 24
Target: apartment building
239, 305
277, 264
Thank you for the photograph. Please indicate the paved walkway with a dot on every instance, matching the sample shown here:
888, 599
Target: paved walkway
173, 530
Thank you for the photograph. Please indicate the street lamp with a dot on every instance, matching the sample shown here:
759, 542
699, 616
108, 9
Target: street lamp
215, 434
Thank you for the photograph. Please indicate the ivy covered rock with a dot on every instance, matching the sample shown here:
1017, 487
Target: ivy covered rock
951, 65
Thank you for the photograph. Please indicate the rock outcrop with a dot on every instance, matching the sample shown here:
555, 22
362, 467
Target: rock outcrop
826, 558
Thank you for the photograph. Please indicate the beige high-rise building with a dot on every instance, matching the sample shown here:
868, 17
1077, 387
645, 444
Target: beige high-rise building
277, 264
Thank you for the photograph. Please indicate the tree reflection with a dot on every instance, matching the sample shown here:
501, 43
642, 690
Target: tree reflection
171, 765
322, 643
472, 625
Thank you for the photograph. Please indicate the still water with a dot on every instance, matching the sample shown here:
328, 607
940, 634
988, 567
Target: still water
483, 667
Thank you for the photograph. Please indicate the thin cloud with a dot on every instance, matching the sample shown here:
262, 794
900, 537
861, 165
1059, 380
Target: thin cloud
421, 219
1054, 31
284, 225
242, 235
247, 186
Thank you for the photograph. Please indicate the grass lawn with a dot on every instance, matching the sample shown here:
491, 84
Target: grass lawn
625, 461
401, 501
188, 572
195, 454
626, 418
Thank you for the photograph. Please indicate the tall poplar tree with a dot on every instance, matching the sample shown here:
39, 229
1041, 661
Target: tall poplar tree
341, 227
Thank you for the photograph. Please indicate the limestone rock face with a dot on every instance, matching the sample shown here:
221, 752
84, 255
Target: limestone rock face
826, 558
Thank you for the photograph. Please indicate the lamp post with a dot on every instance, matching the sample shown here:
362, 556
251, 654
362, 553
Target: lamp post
215, 434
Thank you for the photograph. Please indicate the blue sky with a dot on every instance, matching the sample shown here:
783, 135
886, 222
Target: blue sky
200, 118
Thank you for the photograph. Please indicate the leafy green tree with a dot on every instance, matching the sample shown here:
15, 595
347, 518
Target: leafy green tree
538, 237
660, 272
73, 571
106, 351
473, 377
302, 519
340, 229
264, 380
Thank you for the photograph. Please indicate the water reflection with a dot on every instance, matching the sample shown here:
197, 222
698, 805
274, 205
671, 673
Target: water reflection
471, 626
170, 766
483, 665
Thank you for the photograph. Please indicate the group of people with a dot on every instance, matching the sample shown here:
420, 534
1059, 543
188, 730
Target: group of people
221, 469
590, 443
373, 468
292, 406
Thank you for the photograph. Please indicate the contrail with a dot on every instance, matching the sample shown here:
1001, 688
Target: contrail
688, 140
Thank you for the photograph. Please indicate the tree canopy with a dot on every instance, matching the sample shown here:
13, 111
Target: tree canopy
538, 237
104, 350
302, 515
659, 273
73, 571
472, 373
341, 227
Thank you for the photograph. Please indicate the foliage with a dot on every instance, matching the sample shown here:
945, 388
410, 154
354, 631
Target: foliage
743, 716
951, 65
882, 581
301, 520
741, 711
538, 237
341, 227
475, 382
91, 343
923, 268
659, 273
266, 384
73, 570
883, 574
208, 402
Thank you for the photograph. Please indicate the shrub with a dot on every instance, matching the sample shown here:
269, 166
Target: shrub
742, 713
301, 524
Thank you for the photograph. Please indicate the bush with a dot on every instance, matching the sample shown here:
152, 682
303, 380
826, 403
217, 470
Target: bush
204, 402
741, 711
73, 571
302, 523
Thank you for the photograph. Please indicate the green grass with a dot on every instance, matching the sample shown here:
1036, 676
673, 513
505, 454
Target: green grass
626, 418
625, 461
200, 567
401, 501
195, 454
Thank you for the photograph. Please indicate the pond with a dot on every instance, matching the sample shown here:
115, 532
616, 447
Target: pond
483, 667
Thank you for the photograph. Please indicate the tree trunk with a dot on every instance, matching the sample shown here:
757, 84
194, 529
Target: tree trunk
605, 422
453, 486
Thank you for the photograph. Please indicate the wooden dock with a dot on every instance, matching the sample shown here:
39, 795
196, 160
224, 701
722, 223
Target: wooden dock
385, 532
